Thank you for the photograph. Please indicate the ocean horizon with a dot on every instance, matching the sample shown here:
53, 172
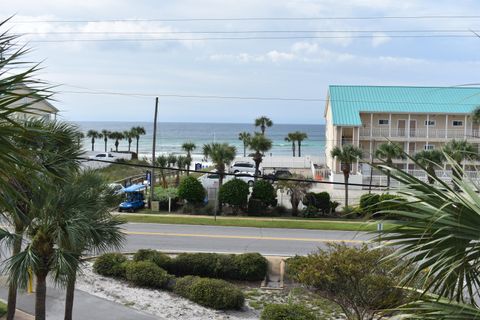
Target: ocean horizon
171, 136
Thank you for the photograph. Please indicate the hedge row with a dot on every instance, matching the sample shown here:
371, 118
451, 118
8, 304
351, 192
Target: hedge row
286, 312
246, 267
212, 293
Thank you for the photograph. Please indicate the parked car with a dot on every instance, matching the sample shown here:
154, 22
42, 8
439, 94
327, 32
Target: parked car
210, 180
280, 173
248, 177
242, 166
103, 156
135, 198
116, 188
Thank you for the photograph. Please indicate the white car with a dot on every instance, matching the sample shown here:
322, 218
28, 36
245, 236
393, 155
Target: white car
242, 166
211, 179
116, 188
248, 177
103, 156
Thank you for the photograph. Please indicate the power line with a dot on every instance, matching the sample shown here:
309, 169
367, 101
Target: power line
231, 174
420, 17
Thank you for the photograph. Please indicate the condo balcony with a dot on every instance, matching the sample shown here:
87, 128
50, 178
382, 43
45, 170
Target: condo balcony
419, 133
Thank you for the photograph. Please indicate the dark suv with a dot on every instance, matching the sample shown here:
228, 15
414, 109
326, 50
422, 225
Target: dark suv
281, 173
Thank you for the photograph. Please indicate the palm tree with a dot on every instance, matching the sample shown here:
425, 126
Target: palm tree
439, 243
188, 147
104, 231
56, 151
430, 160
245, 138
459, 150
137, 132
346, 156
389, 151
221, 154
296, 189
299, 137
105, 135
263, 122
162, 162
129, 135
117, 136
259, 144
79, 136
171, 162
180, 165
93, 134
291, 138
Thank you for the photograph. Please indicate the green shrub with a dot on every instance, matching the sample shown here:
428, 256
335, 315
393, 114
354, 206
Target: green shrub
147, 274
372, 279
160, 259
369, 203
234, 193
191, 190
246, 266
323, 202
286, 312
109, 264
310, 212
264, 191
162, 195
251, 266
211, 293
333, 206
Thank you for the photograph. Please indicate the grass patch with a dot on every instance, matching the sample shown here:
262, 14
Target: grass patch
3, 308
116, 172
298, 223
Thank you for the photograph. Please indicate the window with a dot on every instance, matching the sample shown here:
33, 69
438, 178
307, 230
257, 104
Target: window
383, 122
429, 147
429, 123
457, 123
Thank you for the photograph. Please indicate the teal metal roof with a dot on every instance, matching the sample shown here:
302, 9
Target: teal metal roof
348, 101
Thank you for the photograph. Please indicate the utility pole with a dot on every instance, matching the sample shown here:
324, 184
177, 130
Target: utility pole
152, 177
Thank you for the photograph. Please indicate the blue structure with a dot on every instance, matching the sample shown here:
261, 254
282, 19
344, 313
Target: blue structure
135, 198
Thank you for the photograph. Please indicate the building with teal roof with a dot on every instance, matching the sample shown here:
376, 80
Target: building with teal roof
417, 118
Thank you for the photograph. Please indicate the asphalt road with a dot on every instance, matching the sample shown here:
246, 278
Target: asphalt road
268, 241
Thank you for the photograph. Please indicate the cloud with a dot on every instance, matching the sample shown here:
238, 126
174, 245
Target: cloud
380, 38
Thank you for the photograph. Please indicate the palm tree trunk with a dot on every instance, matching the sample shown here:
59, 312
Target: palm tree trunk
220, 183
106, 145
299, 148
293, 148
12, 288
263, 129
257, 169
129, 145
40, 295
138, 138
70, 293
244, 150
116, 146
93, 144
346, 176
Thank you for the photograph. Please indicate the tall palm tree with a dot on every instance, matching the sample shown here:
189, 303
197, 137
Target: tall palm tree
56, 151
439, 244
259, 144
104, 228
93, 134
221, 154
299, 137
137, 132
117, 136
162, 162
245, 138
129, 135
105, 134
389, 151
291, 138
263, 122
430, 160
346, 155
296, 190
181, 162
188, 147
171, 162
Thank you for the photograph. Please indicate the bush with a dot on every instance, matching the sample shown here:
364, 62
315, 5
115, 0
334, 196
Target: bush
109, 265
211, 293
286, 312
191, 190
246, 266
251, 266
234, 193
159, 258
162, 194
264, 191
323, 202
147, 274
310, 212
369, 203
372, 281
256, 207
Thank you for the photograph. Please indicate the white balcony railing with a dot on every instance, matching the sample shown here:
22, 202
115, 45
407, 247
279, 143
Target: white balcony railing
431, 133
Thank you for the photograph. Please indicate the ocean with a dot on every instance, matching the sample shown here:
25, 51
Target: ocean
171, 136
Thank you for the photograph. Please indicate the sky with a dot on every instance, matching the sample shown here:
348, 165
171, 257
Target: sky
298, 68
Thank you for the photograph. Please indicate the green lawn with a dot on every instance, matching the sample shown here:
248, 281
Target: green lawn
298, 223
3, 308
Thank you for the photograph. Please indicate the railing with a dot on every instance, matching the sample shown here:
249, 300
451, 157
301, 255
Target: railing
419, 133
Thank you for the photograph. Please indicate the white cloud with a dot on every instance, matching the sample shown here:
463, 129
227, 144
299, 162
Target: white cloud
380, 38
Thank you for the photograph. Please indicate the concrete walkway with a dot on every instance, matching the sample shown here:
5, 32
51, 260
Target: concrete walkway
86, 306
